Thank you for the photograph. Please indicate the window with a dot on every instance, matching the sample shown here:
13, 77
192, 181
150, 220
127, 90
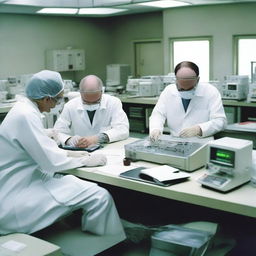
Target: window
245, 53
196, 50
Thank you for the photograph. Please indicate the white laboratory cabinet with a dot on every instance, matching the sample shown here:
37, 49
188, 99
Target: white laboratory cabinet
65, 60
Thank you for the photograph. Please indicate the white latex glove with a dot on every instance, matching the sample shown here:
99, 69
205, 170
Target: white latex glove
72, 153
154, 135
73, 141
94, 160
53, 134
191, 131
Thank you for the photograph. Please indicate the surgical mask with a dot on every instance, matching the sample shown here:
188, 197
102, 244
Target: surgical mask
187, 94
91, 107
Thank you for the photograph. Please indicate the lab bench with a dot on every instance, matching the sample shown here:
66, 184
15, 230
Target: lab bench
239, 201
139, 109
140, 201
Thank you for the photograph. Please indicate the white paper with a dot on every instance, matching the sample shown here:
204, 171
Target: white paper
164, 173
13, 245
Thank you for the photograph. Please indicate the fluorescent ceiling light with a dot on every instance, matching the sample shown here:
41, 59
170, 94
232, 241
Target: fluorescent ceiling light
164, 3
58, 10
100, 11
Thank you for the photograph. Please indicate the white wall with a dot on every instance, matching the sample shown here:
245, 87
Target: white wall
24, 39
219, 21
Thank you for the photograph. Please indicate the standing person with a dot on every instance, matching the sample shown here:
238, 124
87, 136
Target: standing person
32, 197
190, 108
93, 118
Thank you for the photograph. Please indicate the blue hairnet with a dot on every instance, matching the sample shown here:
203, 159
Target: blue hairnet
44, 83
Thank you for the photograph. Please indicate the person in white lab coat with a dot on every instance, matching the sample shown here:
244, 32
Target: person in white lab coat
32, 195
190, 108
92, 118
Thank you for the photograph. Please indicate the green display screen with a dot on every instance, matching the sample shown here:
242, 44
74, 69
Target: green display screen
222, 156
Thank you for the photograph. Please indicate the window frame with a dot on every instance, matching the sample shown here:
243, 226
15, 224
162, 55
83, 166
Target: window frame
236, 49
192, 38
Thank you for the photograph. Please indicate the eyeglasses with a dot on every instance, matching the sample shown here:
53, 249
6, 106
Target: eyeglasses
91, 92
191, 78
58, 100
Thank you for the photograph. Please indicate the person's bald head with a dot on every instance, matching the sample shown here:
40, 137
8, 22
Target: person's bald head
91, 89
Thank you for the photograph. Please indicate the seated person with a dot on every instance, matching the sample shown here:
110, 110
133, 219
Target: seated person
190, 108
93, 118
32, 195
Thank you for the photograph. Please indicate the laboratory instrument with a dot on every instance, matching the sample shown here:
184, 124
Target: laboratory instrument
229, 162
117, 75
252, 93
253, 71
179, 153
235, 87
146, 86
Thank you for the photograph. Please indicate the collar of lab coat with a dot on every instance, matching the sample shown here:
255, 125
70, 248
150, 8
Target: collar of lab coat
33, 105
103, 103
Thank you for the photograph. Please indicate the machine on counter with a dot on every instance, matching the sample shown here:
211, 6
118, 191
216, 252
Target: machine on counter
235, 87
229, 164
147, 86
117, 75
177, 152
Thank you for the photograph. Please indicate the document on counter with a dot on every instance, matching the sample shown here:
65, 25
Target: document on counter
163, 175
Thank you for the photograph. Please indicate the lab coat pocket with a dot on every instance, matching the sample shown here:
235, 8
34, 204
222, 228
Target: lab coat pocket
67, 189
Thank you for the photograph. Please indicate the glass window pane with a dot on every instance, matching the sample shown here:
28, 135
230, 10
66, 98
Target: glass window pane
246, 54
197, 51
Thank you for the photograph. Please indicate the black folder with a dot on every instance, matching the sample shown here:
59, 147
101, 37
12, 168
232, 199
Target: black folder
135, 174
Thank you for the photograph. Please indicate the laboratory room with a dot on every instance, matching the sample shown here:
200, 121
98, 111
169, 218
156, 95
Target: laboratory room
128, 128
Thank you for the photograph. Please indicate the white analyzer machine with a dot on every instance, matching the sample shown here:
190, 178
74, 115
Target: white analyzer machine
229, 164
235, 87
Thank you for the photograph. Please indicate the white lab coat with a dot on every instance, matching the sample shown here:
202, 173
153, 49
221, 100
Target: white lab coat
109, 119
205, 109
31, 197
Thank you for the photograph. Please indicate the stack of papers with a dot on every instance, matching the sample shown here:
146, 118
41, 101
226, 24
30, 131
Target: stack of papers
164, 173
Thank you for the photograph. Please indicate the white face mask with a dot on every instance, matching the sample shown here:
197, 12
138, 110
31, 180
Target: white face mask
91, 107
187, 94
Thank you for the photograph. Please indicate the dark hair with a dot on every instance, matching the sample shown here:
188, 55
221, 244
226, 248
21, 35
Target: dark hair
187, 64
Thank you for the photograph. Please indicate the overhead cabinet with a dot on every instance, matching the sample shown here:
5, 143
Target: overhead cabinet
65, 60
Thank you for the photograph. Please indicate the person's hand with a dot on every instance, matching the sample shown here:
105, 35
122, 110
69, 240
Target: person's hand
85, 142
72, 153
191, 131
53, 134
73, 141
154, 135
94, 160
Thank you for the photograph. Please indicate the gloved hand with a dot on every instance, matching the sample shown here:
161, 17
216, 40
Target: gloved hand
53, 134
72, 153
73, 141
154, 135
87, 141
191, 131
94, 160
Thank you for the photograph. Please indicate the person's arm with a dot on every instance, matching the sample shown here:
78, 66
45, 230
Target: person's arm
217, 117
119, 126
42, 149
103, 138
158, 116
62, 125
